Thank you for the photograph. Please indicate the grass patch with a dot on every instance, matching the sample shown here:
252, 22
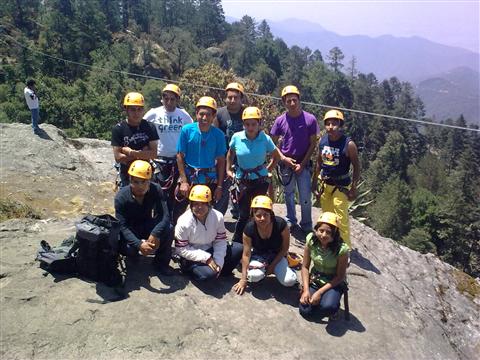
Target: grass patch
466, 284
13, 209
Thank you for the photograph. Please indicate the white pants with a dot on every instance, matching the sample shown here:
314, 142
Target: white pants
285, 275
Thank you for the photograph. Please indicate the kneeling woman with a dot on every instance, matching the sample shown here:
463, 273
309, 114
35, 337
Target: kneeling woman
266, 239
323, 286
201, 240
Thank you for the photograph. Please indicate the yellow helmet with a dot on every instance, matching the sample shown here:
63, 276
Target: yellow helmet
208, 102
235, 86
201, 193
294, 260
290, 89
262, 202
252, 112
140, 169
173, 88
333, 114
329, 218
133, 99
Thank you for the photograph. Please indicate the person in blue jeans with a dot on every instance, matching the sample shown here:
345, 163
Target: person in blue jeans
324, 284
201, 239
33, 104
298, 132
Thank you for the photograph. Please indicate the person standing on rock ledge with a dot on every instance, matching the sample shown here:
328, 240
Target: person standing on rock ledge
229, 120
250, 148
201, 153
32, 102
323, 286
201, 239
134, 138
298, 130
168, 120
336, 152
142, 211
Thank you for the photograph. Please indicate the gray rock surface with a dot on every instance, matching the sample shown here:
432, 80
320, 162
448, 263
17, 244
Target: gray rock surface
403, 305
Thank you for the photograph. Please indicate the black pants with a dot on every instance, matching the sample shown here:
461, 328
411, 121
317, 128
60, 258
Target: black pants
143, 231
253, 188
161, 176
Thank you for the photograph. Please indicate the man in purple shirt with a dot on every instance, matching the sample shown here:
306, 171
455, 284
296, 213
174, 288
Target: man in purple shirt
298, 130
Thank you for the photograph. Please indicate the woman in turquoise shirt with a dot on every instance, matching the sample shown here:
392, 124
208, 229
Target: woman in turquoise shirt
323, 285
251, 147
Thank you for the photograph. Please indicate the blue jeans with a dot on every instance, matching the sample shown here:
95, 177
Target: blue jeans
35, 118
202, 272
329, 303
304, 184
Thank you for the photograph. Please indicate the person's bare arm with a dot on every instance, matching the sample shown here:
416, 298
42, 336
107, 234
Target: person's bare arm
184, 187
308, 155
353, 155
147, 153
230, 157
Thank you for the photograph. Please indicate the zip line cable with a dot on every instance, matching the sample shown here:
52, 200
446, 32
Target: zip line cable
422, 122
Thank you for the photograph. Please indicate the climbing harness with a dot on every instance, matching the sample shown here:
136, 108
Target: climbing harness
163, 166
194, 175
240, 185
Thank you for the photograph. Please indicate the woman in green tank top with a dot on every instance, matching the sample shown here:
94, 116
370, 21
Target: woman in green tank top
323, 284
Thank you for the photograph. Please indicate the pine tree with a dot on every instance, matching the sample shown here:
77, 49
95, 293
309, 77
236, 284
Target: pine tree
391, 212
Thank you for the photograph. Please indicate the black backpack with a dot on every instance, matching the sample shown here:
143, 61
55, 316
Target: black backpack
98, 255
93, 254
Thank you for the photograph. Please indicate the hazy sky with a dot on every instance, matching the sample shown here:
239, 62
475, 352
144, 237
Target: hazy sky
448, 22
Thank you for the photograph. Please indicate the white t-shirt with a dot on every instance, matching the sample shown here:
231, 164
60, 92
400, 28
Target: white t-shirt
192, 238
168, 125
31, 98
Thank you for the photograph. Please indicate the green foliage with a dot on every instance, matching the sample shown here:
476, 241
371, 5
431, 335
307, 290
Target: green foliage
419, 240
390, 214
391, 162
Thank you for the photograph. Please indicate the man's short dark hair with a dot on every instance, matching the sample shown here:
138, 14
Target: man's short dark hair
30, 82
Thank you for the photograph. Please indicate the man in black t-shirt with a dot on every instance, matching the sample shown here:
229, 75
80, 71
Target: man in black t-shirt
229, 120
133, 138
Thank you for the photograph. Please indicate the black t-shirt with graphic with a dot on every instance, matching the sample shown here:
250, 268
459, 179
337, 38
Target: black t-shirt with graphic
135, 137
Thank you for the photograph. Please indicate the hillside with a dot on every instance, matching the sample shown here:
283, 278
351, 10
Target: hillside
451, 93
403, 304
409, 59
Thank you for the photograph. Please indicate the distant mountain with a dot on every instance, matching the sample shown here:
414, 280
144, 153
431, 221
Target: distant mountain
452, 93
409, 59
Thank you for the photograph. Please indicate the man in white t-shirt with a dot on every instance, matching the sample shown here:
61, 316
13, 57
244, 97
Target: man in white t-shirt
168, 121
32, 102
